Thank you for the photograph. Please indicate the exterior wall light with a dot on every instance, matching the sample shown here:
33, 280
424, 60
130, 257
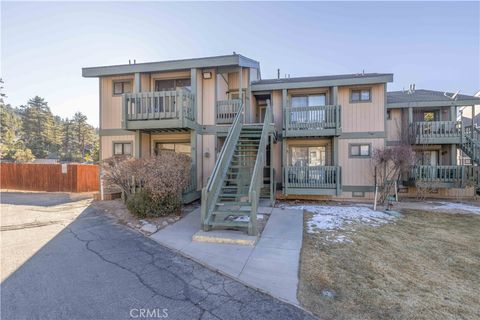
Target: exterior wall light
207, 75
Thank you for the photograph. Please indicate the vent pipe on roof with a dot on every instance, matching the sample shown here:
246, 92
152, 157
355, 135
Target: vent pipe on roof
134, 61
129, 61
278, 73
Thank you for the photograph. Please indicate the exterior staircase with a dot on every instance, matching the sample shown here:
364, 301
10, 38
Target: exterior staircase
471, 143
230, 199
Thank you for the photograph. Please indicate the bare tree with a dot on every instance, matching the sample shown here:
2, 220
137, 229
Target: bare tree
389, 164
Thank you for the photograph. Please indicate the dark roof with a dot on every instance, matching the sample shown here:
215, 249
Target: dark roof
171, 65
321, 78
420, 96
320, 81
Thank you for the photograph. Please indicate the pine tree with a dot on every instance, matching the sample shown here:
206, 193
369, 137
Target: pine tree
11, 145
38, 127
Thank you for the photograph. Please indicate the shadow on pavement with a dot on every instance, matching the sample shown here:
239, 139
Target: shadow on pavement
98, 269
43, 199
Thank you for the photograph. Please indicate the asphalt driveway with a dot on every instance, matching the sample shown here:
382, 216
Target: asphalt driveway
97, 269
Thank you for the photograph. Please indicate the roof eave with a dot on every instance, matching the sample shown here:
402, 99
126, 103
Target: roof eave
426, 104
209, 62
324, 83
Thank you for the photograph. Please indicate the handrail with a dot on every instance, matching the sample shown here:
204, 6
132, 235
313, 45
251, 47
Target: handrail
257, 176
211, 190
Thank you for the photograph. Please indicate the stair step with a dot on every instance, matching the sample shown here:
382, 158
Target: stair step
232, 195
229, 223
226, 213
233, 203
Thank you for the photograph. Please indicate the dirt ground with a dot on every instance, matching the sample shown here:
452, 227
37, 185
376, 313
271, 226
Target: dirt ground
425, 265
119, 211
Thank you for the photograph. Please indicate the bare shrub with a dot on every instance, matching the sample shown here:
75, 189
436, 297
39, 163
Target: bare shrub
150, 184
389, 163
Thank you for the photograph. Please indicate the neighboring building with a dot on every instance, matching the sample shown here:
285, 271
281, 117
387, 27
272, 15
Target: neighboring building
428, 120
465, 115
319, 144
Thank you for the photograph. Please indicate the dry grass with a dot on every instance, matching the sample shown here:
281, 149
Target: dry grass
424, 266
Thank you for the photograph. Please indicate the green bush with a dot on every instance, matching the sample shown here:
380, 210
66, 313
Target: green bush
142, 205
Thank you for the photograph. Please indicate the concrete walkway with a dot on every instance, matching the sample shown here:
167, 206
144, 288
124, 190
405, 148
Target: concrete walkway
271, 265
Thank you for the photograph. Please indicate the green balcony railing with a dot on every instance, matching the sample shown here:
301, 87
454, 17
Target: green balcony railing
161, 105
314, 177
436, 131
226, 110
443, 174
312, 120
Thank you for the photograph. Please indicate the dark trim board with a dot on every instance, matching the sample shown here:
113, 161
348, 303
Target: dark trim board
363, 135
115, 132
355, 80
358, 188
424, 104
309, 191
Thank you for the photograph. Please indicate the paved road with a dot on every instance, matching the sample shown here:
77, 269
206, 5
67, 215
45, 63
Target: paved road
98, 269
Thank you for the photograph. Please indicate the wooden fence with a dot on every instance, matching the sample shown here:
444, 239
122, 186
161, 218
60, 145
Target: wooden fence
49, 177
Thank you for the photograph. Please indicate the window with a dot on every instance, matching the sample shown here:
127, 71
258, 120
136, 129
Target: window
172, 84
427, 158
301, 113
308, 156
183, 147
360, 95
358, 194
122, 148
120, 87
389, 114
360, 150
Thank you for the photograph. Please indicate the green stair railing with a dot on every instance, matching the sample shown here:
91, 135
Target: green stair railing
471, 147
256, 182
211, 191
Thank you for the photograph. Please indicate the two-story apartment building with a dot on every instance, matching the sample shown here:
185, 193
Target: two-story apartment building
250, 137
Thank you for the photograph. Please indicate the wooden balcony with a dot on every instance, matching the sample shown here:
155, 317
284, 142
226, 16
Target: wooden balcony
312, 121
158, 110
314, 180
436, 132
225, 110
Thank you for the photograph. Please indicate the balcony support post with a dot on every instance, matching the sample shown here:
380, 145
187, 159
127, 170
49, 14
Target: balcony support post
410, 115
138, 82
473, 122
193, 83
240, 93
193, 150
284, 164
138, 144
453, 154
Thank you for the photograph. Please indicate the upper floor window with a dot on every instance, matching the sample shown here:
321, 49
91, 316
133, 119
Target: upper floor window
122, 86
313, 100
360, 150
122, 148
360, 95
172, 84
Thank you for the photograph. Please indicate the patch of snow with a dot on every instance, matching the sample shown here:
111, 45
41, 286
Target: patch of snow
455, 207
242, 219
336, 218
246, 218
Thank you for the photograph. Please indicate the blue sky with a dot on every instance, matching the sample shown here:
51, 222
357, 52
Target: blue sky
44, 45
